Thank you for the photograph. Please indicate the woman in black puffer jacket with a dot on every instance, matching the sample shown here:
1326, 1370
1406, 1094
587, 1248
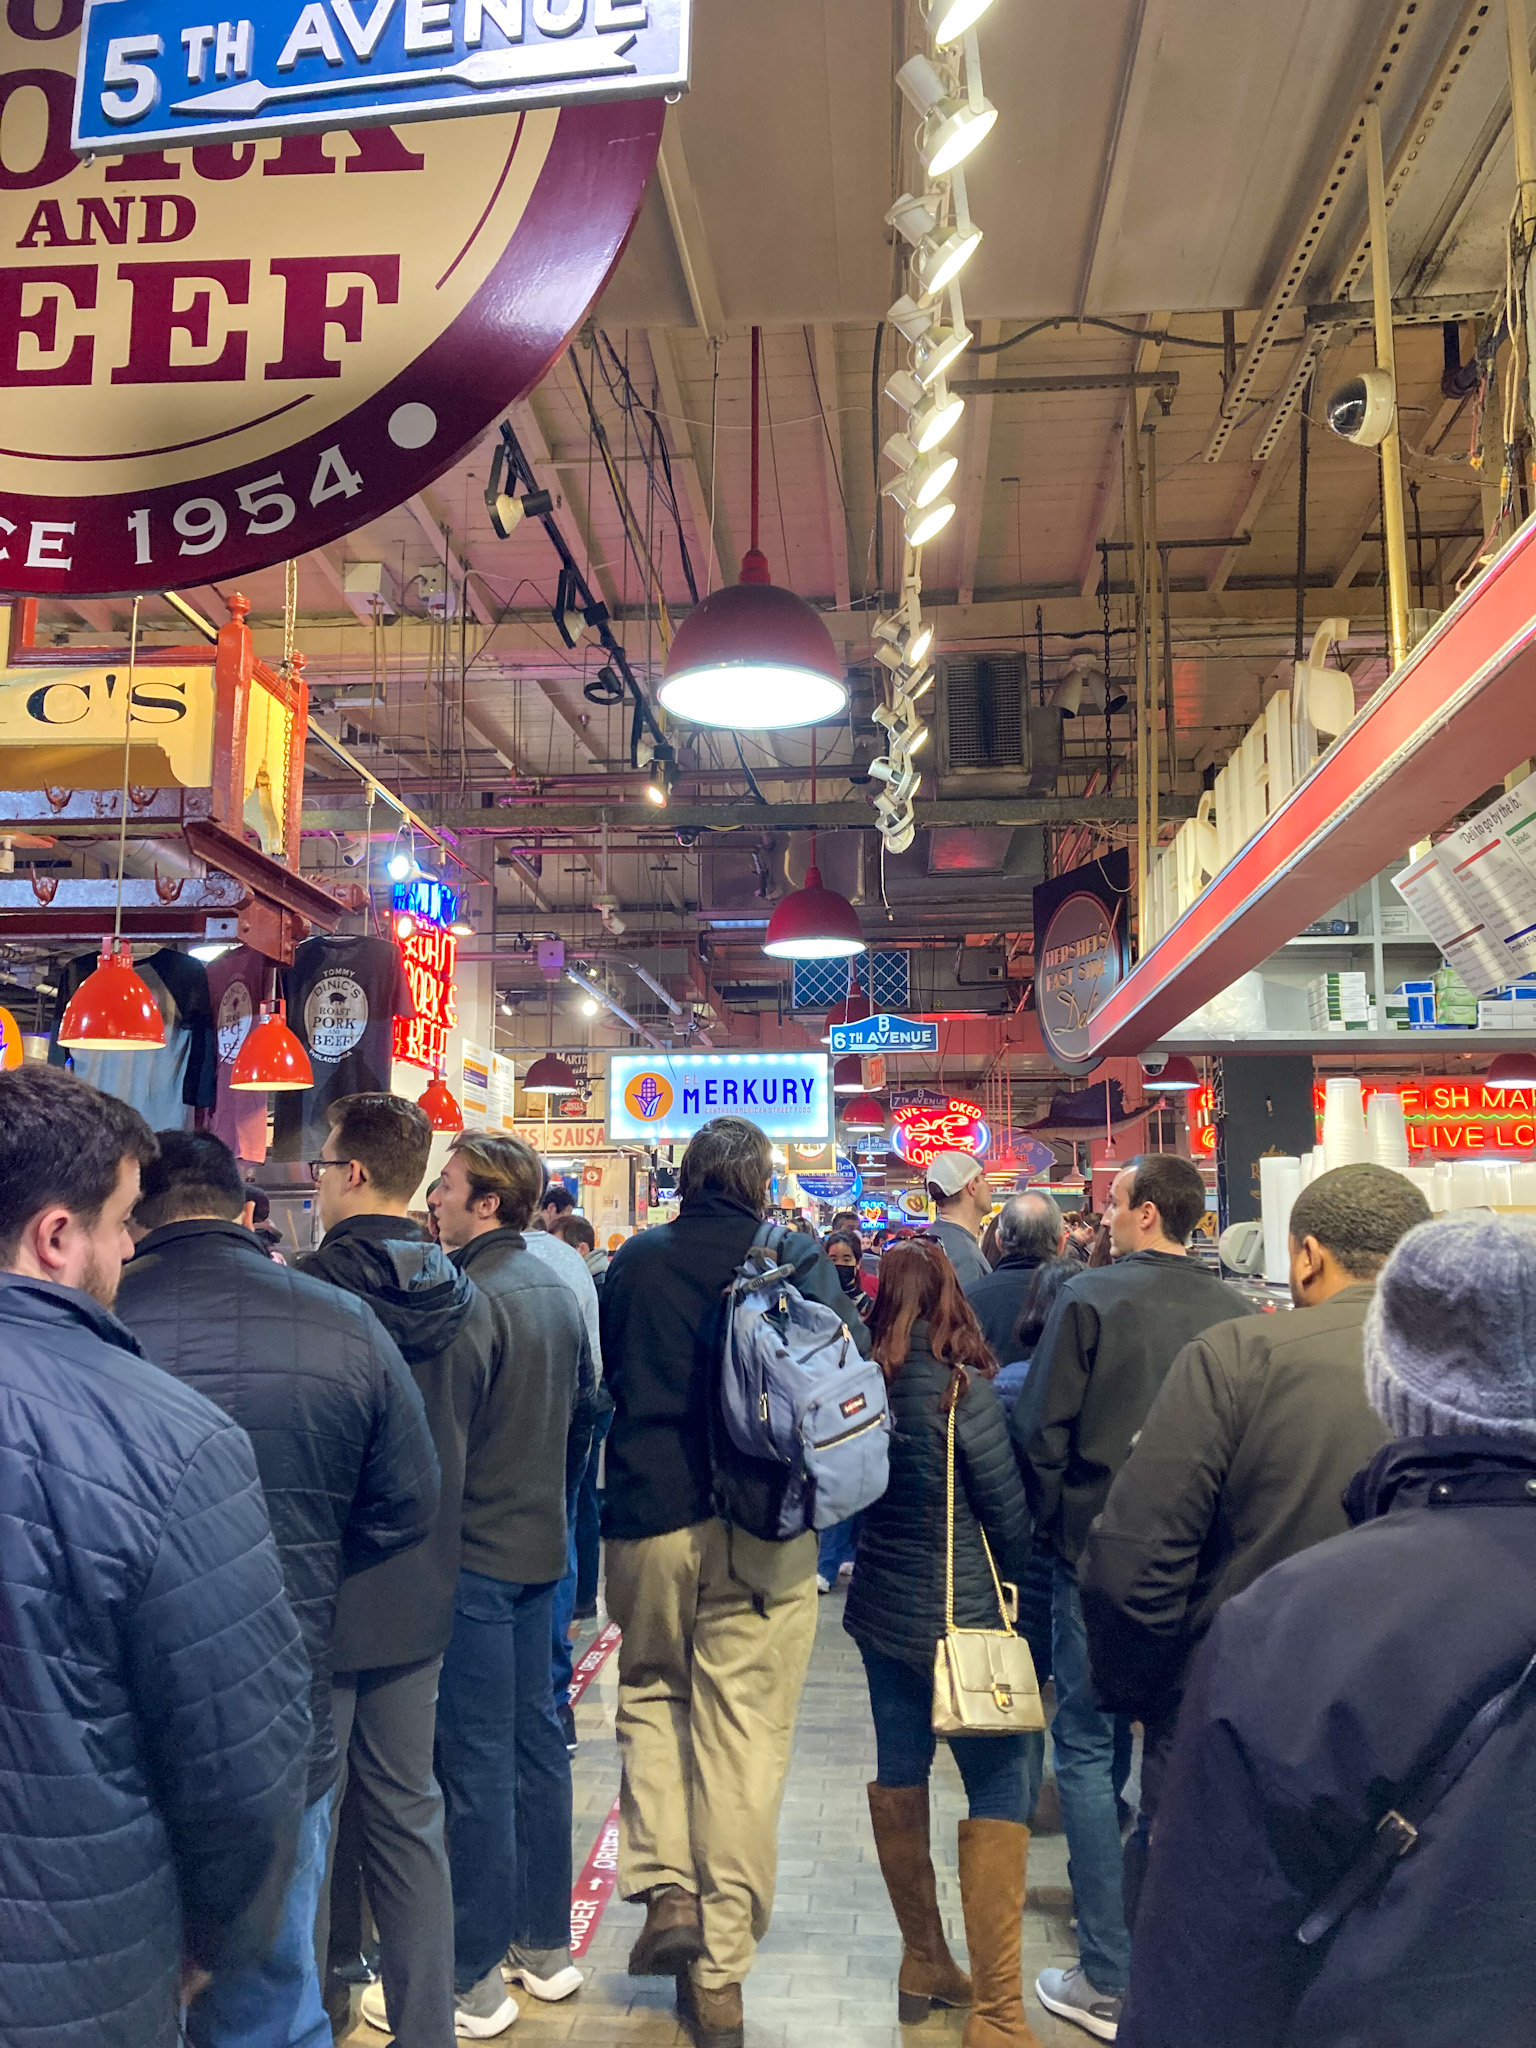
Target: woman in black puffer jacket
934, 1356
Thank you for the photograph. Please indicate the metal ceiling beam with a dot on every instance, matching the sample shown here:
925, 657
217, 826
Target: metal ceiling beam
687, 221
1143, 46
1148, 354
1087, 380
678, 418
1398, 28
734, 814
976, 461
822, 343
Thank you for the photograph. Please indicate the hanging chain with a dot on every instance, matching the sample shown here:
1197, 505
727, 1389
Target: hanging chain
290, 613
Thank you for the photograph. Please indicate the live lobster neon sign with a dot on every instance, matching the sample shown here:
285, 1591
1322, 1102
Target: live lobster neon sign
923, 1130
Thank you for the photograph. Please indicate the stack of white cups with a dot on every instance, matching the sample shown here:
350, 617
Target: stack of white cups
1344, 1137
1279, 1185
1387, 1131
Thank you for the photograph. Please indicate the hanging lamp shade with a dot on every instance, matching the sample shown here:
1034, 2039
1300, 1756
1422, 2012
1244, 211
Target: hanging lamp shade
753, 657
814, 923
864, 1113
440, 1106
549, 1075
1511, 1070
1177, 1077
272, 1057
852, 1010
113, 1009
848, 1075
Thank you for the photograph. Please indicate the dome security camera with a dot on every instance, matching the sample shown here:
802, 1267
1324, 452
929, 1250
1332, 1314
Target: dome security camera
1364, 409
354, 851
1153, 1063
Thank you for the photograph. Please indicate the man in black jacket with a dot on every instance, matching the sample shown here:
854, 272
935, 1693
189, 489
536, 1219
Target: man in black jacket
154, 1716
347, 1468
1106, 1350
1325, 1693
1029, 1231
1242, 1461
393, 1622
718, 1625
501, 1752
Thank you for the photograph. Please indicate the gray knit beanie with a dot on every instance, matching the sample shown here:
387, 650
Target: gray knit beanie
1450, 1338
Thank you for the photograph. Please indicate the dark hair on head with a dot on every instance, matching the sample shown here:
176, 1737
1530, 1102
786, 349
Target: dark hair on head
847, 1237
193, 1174
730, 1157
62, 1145
557, 1196
1045, 1283
388, 1136
261, 1206
577, 1232
917, 1283
1359, 1213
1174, 1187
498, 1164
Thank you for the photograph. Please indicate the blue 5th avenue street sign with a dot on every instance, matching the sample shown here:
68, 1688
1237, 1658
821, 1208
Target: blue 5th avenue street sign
885, 1034
159, 72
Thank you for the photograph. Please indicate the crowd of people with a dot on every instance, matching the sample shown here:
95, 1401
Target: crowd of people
290, 1553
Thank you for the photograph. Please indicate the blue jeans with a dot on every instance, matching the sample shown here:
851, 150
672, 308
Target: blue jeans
563, 1606
506, 1777
588, 1530
276, 2003
836, 1547
1084, 1742
1001, 1773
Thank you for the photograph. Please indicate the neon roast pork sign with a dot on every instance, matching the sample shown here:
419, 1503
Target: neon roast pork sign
935, 1123
218, 357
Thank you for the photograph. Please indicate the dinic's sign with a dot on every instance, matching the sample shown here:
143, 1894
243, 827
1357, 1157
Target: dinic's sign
155, 75
220, 357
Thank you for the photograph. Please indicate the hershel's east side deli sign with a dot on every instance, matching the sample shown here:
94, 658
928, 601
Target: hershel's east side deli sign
217, 358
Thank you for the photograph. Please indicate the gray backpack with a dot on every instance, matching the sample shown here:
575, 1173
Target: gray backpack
796, 1395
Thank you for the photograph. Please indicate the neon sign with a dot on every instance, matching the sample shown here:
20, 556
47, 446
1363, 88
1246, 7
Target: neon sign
952, 1124
423, 909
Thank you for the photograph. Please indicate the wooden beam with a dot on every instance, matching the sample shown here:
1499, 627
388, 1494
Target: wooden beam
1148, 354
687, 221
821, 345
1143, 46
975, 463
677, 416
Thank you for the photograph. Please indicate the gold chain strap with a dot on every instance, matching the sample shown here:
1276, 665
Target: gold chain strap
949, 1548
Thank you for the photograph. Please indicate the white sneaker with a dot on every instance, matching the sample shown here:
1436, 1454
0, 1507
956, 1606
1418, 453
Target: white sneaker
371, 2008
485, 2010
823, 1585
548, 1973
1071, 1995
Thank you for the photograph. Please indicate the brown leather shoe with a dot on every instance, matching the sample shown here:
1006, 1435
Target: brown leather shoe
673, 1934
711, 2019
930, 1975
994, 1858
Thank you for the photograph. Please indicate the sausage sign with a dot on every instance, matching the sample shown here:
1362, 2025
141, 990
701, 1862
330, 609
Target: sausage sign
217, 357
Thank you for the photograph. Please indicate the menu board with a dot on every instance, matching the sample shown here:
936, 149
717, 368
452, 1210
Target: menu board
1475, 893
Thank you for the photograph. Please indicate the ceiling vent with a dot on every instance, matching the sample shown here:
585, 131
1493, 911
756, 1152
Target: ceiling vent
990, 739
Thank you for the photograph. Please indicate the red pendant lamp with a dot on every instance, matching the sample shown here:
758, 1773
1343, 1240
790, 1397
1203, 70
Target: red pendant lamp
549, 1075
272, 1057
814, 922
864, 1113
440, 1105
753, 657
1511, 1070
1179, 1076
848, 1075
113, 1009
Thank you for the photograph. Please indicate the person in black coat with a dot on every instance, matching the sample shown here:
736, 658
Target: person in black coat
931, 1349
346, 1463
1029, 1233
1327, 1691
154, 1716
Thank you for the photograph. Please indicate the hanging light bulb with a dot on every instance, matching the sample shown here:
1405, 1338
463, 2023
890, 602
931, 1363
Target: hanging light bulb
924, 477
953, 124
113, 1009
932, 416
864, 1113
848, 1075
941, 258
1178, 1076
550, 1075
440, 1105
754, 657
814, 923
948, 20
271, 1057
924, 523
1509, 1070
402, 860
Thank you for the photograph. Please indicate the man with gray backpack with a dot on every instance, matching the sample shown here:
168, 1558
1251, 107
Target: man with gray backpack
709, 1507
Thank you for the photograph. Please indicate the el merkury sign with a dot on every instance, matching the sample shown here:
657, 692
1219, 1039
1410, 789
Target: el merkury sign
660, 1097
153, 74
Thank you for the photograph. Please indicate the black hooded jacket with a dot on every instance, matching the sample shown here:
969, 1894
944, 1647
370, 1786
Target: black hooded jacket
341, 1443
402, 1612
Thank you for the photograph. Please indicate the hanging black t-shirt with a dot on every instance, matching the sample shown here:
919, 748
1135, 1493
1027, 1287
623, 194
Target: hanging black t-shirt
343, 995
164, 1085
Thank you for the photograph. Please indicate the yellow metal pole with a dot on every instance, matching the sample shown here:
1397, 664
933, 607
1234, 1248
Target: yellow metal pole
1386, 359
1138, 537
1157, 682
1522, 108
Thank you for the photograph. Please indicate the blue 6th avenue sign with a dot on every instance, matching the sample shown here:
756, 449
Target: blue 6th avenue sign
154, 73
885, 1034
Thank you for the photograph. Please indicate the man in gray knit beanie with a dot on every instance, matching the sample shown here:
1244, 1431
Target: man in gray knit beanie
1450, 1337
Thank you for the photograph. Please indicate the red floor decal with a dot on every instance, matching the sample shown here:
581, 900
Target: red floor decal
604, 1644
599, 1874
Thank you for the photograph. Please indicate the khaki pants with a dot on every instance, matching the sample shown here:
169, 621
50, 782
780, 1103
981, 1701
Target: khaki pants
708, 1692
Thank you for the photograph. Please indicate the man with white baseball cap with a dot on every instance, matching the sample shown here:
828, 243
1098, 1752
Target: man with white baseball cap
958, 1189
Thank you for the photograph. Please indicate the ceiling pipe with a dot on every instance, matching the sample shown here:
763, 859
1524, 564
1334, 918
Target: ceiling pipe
600, 994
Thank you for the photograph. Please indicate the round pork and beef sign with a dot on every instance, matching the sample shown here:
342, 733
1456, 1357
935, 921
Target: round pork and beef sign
217, 358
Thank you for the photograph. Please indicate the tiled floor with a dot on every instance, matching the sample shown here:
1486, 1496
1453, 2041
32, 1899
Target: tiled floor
826, 1975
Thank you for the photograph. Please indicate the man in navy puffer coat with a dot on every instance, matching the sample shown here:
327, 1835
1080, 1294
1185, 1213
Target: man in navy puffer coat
154, 1722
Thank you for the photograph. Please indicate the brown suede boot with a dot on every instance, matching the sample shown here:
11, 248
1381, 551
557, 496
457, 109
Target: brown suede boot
673, 1934
993, 1856
930, 1975
711, 2019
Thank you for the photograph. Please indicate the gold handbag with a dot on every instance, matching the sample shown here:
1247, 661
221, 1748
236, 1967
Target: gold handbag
983, 1678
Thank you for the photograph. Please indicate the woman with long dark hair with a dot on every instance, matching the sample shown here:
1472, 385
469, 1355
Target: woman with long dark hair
936, 1360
